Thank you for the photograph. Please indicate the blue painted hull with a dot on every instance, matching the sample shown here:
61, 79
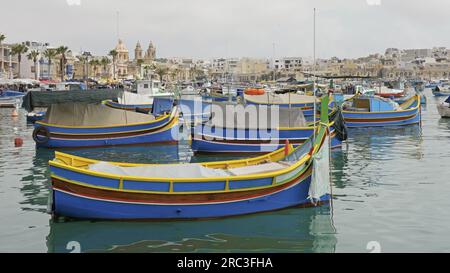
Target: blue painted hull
169, 135
209, 145
441, 94
413, 120
91, 208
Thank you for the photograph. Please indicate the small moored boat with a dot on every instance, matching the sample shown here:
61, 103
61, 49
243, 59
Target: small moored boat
92, 125
10, 99
373, 111
235, 129
444, 108
441, 91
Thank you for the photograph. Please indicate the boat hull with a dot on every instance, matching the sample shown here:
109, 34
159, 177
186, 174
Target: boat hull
167, 135
441, 93
217, 143
76, 202
444, 110
165, 130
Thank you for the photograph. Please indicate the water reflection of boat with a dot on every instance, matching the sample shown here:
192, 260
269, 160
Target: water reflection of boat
292, 230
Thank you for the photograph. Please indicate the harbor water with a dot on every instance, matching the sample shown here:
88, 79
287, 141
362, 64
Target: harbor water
390, 188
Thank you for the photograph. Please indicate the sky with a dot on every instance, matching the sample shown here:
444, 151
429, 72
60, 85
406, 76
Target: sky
231, 28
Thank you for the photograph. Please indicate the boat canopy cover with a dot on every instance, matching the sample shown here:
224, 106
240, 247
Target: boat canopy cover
255, 117
79, 114
193, 170
132, 98
46, 98
280, 98
165, 171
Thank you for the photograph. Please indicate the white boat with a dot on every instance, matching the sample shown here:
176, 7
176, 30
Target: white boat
10, 99
151, 88
444, 108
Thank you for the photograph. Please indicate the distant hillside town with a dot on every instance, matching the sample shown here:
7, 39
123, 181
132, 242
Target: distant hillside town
42, 61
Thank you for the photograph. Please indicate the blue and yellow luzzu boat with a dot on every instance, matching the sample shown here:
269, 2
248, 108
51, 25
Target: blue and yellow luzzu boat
90, 125
251, 136
85, 188
372, 111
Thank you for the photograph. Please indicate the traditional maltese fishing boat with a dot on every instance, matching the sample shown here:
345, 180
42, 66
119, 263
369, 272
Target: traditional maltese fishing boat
240, 130
92, 125
288, 177
373, 111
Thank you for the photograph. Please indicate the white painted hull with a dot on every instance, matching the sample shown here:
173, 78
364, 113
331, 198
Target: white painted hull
444, 110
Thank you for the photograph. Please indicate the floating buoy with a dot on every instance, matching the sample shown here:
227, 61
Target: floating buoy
286, 147
254, 91
18, 142
14, 113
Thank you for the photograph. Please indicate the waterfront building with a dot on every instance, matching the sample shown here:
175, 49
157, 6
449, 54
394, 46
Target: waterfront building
8, 64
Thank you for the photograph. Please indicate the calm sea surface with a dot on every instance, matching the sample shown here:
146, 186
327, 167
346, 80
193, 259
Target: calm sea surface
389, 186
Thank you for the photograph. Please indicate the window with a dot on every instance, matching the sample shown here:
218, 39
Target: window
145, 85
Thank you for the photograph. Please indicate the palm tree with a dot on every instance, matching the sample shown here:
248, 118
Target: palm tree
34, 55
19, 49
83, 59
50, 53
94, 63
62, 51
104, 62
161, 71
113, 53
2, 38
139, 63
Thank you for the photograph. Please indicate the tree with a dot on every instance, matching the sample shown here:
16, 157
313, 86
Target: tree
113, 53
2, 38
62, 51
161, 71
19, 49
34, 55
83, 60
105, 61
50, 54
139, 63
94, 63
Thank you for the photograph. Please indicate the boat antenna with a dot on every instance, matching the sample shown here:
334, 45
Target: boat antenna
117, 25
314, 71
